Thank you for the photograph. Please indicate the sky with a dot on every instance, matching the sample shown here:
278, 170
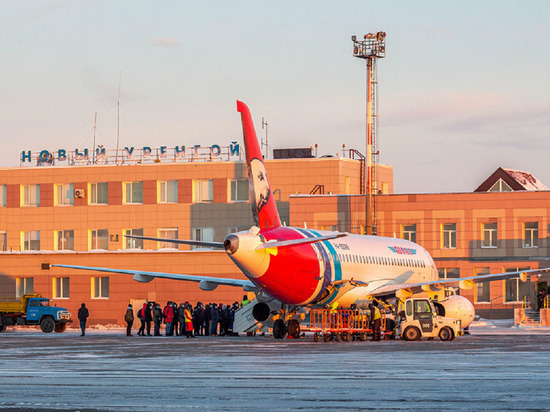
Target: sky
464, 87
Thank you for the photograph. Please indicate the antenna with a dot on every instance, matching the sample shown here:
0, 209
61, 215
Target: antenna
264, 123
118, 120
95, 126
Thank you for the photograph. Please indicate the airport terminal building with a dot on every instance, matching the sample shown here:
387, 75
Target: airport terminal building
73, 210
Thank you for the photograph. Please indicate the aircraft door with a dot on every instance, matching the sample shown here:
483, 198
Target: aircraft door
424, 314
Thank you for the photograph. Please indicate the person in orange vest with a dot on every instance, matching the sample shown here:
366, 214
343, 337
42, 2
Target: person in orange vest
376, 320
188, 321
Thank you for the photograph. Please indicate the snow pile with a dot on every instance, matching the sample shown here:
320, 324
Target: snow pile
504, 327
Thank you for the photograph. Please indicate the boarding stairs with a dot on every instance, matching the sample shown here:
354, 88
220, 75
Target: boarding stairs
244, 320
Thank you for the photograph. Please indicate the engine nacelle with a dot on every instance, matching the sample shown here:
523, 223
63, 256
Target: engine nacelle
458, 307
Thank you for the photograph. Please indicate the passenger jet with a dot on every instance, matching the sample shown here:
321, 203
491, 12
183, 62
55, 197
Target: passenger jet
301, 267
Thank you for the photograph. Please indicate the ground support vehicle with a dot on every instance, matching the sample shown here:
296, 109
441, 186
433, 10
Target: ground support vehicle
417, 319
345, 325
32, 309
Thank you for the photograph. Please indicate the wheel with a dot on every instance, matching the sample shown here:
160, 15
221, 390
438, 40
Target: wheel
60, 327
294, 328
2, 327
363, 337
411, 333
337, 337
315, 337
279, 329
47, 325
445, 334
326, 337
345, 337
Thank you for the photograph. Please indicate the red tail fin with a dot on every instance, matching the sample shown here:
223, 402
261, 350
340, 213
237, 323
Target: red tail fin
264, 208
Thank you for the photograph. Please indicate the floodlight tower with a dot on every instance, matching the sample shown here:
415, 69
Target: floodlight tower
371, 48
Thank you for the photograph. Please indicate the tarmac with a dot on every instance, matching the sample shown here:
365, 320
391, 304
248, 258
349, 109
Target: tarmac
105, 370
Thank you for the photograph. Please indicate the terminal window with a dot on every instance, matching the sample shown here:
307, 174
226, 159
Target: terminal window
3, 195
99, 193
30, 195
30, 240
100, 287
168, 233
61, 288
489, 235
448, 236
168, 191
483, 289
130, 243
239, 190
23, 286
64, 194
133, 192
205, 234
530, 234
64, 239
516, 290
203, 190
408, 232
3, 241
99, 239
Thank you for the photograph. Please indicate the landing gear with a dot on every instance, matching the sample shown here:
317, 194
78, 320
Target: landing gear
293, 329
279, 329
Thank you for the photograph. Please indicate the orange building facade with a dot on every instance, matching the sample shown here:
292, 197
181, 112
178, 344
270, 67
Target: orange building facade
78, 215
467, 234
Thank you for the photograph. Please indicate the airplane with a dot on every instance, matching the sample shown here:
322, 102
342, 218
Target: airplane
306, 268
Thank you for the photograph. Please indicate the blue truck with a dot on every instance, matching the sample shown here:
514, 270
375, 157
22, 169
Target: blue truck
33, 309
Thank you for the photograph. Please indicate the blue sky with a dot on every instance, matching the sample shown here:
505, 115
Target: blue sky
464, 87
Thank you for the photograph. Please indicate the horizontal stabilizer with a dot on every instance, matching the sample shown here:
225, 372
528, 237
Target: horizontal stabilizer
294, 242
217, 245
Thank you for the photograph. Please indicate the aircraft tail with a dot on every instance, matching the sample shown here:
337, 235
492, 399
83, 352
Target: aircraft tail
264, 209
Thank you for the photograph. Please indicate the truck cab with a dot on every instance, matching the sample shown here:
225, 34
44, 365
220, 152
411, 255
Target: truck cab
418, 318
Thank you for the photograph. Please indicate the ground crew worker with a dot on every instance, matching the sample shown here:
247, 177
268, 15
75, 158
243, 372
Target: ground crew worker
376, 319
245, 301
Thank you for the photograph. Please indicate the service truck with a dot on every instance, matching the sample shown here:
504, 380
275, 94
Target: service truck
33, 309
418, 318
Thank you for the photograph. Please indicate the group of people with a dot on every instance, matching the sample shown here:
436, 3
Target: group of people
184, 319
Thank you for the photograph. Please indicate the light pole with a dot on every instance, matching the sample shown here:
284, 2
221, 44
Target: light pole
371, 48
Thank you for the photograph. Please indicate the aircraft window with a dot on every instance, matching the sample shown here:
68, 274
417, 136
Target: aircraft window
422, 306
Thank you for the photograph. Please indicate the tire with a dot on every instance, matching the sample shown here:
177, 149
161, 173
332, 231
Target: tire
315, 337
345, 337
326, 337
338, 337
363, 337
60, 327
411, 333
445, 334
2, 327
294, 328
279, 329
47, 325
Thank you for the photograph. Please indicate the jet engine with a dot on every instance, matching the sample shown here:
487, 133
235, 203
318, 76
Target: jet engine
458, 307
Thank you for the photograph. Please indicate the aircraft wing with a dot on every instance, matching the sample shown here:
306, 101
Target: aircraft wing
205, 282
462, 283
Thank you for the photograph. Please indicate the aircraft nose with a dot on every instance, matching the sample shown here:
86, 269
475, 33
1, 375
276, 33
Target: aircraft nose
231, 244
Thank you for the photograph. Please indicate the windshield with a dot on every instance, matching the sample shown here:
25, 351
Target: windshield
44, 302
